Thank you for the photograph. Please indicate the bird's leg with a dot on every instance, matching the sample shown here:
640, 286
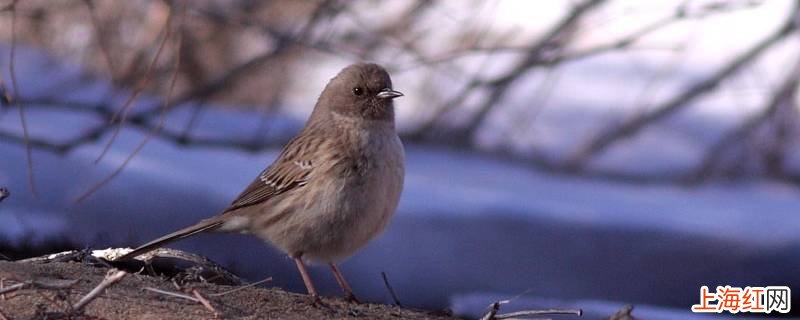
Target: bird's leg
348, 292
306, 277
316, 300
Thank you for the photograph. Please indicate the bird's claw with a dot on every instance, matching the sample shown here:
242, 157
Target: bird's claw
316, 300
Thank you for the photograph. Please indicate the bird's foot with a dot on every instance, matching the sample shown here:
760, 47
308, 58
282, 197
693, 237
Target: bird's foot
316, 300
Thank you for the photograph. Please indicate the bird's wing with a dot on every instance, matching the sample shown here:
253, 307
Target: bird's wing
290, 171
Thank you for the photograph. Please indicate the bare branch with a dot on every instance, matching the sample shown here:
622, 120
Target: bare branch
494, 308
10, 101
102, 39
553, 57
621, 43
121, 115
178, 138
161, 120
551, 41
635, 124
394, 38
237, 73
783, 95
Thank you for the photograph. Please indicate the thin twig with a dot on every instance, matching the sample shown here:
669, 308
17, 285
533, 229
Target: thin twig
121, 115
161, 121
14, 287
391, 290
784, 94
494, 308
205, 302
113, 276
173, 294
54, 285
197, 109
542, 48
15, 87
546, 312
95, 133
241, 287
238, 72
634, 125
102, 39
554, 41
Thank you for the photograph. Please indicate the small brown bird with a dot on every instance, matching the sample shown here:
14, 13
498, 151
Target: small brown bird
333, 188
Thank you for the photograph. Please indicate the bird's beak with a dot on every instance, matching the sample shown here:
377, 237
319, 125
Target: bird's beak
389, 94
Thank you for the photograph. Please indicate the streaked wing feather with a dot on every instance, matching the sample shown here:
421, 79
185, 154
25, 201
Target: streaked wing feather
291, 170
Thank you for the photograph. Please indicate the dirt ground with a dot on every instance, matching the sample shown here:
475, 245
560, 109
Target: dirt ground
128, 298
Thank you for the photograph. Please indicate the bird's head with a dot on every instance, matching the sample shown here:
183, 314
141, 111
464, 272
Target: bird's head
360, 90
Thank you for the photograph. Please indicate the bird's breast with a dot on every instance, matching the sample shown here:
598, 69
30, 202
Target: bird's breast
374, 170
362, 194
349, 198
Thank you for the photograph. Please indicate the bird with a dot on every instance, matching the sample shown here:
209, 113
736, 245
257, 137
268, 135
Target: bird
333, 187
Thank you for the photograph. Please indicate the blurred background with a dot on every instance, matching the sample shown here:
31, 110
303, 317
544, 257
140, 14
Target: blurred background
583, 153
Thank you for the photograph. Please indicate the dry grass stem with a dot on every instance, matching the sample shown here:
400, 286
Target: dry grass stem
241, 288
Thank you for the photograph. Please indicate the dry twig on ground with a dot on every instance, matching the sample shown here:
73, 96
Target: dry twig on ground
39, 284
494, 308
205, 303
241, 287
195, 296
111, 278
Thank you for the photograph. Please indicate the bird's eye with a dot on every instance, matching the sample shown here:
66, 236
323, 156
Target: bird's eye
358, 91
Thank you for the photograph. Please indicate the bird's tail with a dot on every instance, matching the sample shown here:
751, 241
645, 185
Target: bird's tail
205, 225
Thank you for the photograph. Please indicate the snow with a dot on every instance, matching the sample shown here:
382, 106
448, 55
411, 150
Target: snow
470, 228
